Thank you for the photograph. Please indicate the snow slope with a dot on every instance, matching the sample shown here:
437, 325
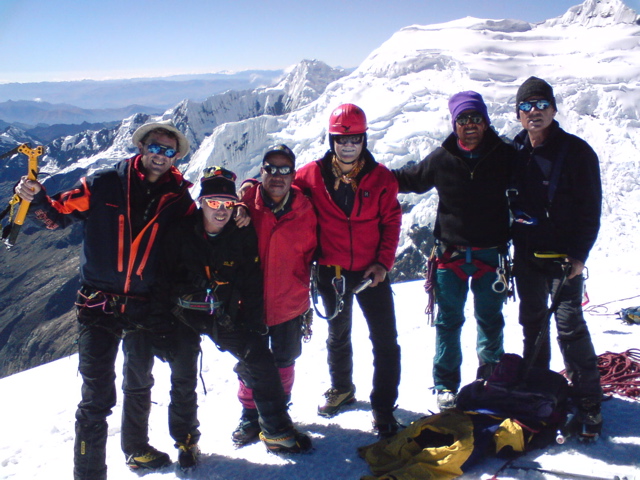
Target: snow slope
37, 406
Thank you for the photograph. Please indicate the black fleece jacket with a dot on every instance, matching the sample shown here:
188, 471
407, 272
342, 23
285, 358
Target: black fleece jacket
227, 263
472, 206
568, 222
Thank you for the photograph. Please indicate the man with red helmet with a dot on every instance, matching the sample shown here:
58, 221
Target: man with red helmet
359, 221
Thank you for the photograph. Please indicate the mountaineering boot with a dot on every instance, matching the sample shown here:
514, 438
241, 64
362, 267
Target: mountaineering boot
248, 429
188, 454
446, 399
148, 459
291, 441
384, 423
589, 418
336, 400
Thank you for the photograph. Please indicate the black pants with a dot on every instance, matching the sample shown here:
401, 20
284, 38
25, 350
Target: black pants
97, 351
257, 370
378, 309
286, 341
98, 342
537, 280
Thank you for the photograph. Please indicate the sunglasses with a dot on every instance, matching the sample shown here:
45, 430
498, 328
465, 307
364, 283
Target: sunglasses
162, 150
216, 204
273, 170
344, 139
539, 104
219, 171
471, 118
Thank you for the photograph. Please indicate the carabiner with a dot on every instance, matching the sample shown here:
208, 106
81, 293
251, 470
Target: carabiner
500, 285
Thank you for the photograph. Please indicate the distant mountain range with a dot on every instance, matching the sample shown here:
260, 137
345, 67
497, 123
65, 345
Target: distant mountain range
157, 93
29, 114
92, 101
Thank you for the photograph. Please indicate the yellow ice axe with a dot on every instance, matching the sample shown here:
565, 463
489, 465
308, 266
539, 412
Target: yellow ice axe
32, 174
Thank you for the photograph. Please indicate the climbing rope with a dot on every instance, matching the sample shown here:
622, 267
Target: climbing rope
620, 373
602, 308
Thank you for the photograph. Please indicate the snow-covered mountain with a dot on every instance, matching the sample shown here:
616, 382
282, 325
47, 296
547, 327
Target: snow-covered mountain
591, 55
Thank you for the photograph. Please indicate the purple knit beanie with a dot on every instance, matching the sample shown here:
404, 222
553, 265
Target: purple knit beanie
463, 101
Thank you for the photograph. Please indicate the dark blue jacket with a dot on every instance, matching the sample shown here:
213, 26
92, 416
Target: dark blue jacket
124, 218
567, 220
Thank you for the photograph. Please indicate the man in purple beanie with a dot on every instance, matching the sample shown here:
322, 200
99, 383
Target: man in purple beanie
470, 172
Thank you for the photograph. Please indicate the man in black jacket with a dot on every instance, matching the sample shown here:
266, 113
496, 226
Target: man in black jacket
470, 172
126, 210
556, 202
211, 280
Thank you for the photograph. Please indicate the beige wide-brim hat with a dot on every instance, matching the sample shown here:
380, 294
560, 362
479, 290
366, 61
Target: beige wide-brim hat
183, 143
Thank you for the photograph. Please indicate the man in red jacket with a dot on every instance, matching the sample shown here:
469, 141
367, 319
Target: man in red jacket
359, 226
286, 223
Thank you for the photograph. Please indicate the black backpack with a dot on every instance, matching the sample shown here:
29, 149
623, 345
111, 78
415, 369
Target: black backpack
539, 402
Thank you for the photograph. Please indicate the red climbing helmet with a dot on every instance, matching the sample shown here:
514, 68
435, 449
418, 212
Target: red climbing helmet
347, 119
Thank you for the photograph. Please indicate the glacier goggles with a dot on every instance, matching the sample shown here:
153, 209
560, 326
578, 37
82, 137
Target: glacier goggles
344, 139
219, 171
273, 170
158, 149
539, 104
468, 118
216, 204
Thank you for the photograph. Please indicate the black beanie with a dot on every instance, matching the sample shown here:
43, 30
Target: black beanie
534, 86
218, 182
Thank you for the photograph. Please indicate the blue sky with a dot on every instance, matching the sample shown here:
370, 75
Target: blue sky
50, 40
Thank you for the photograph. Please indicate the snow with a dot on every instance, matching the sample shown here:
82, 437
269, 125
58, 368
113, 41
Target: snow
591, 56
37, 406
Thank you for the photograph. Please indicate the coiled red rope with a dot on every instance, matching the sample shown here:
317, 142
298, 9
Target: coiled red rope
620, 373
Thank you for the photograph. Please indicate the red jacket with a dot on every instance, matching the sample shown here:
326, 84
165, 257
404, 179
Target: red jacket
371, 233
286, 247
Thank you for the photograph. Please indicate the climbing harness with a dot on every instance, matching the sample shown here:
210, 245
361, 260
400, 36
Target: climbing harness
339, 287
453, 257
210, 304
16, 219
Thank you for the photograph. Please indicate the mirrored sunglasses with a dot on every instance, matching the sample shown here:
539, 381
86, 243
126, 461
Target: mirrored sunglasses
539, 104
273, 170
470, 118
344, 139
216, 204
219, 171
157, 149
